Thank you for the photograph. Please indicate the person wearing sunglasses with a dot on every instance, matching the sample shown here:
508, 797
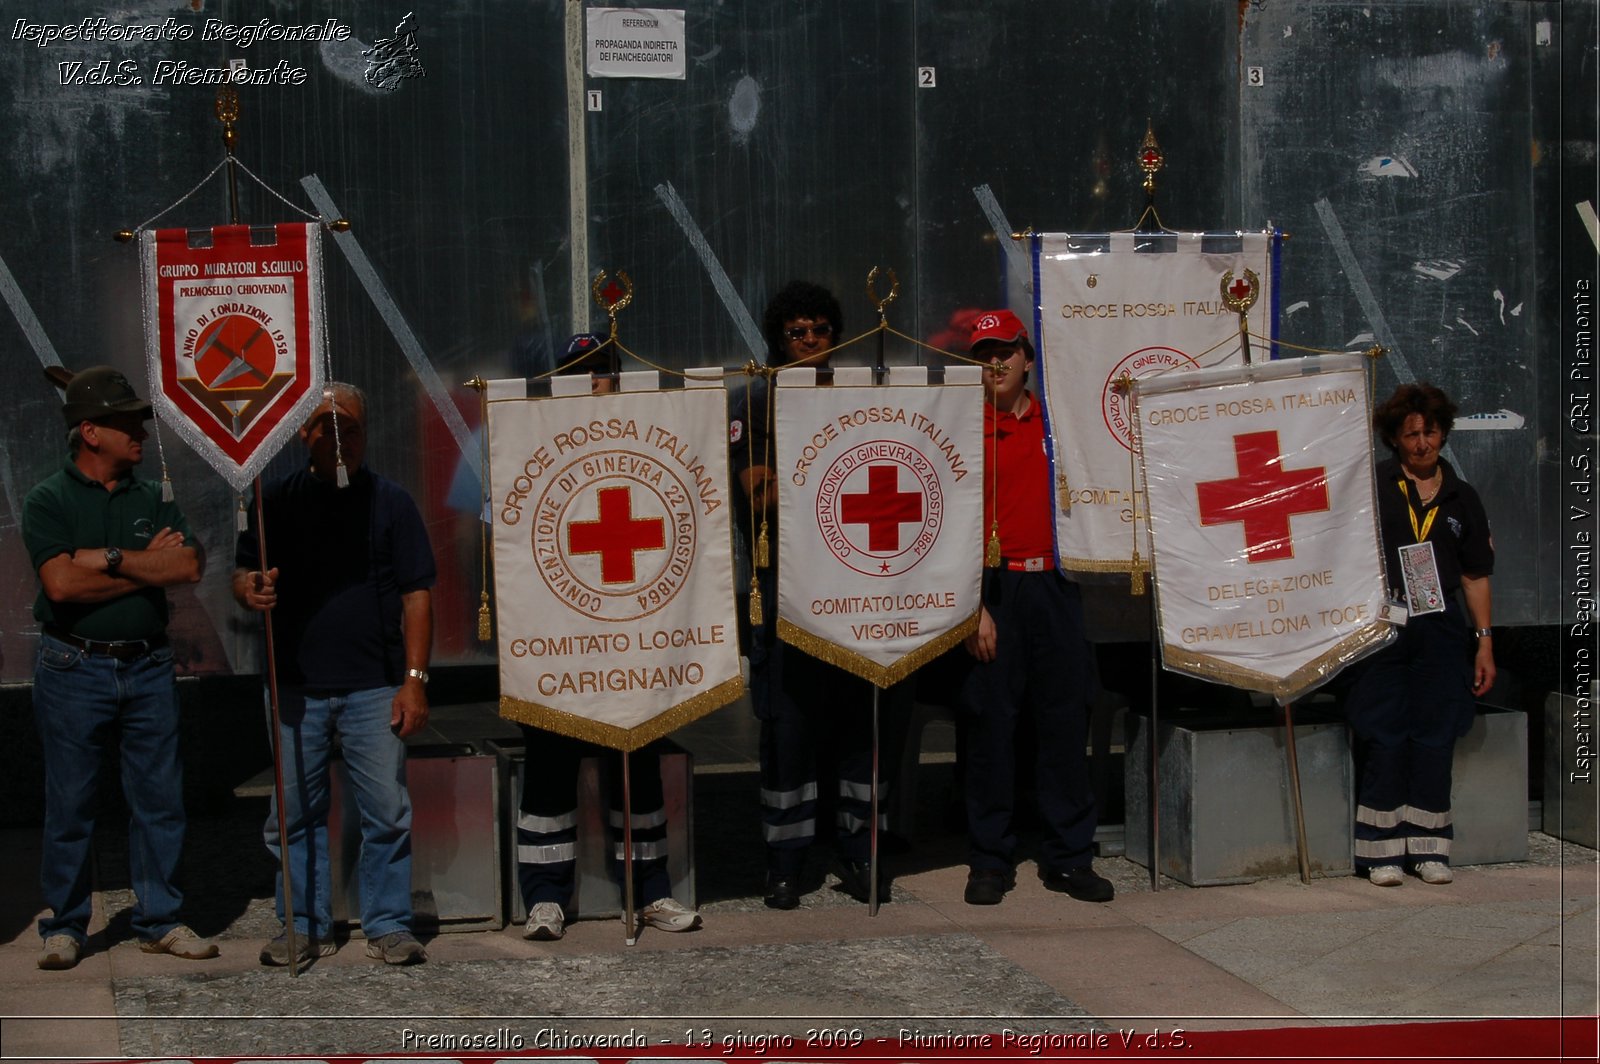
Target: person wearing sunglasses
810, 712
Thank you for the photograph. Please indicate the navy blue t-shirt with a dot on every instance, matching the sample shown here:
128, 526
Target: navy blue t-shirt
345, 556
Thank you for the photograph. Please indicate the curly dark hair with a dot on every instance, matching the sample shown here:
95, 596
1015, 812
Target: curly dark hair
1432, 403
799, 299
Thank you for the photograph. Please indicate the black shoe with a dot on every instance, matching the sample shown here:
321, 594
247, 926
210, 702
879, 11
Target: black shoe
783, 892
987, 886
855, 879
1081, 883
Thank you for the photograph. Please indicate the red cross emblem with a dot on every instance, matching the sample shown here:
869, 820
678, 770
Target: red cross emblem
882, 508
1240, 289
1263, 496
616, 535
613, 291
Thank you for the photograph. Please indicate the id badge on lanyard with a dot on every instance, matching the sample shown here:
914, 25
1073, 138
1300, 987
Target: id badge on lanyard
1419, 569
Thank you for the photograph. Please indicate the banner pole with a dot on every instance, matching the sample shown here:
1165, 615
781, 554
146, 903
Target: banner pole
1294, 790
631, 934
872, 830
227, 112
277, 748
1155, 758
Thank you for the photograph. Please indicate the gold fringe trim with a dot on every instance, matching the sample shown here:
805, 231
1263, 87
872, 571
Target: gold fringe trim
1105, 565
624, 739
1308, 675
866, 668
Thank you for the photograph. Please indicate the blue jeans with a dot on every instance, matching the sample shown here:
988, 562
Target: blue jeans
376, 759
81, 702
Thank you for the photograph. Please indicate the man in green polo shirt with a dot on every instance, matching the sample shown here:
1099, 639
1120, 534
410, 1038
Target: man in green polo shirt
106, 546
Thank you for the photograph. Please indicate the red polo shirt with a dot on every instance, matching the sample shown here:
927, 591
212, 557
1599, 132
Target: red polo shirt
1015, 443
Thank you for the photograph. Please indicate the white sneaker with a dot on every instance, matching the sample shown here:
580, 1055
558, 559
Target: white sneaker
1435, 872
60, 953
666, 914
1387, 875
546, 922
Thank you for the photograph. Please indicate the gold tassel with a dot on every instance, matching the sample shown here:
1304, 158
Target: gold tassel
483, 616
763, 548
1136, 577
341, 476
756, 614
991, 553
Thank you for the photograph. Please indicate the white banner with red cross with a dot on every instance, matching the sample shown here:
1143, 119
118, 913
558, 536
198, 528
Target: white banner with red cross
234, 337
880, 504
1268, 568
613, 564
1118, 307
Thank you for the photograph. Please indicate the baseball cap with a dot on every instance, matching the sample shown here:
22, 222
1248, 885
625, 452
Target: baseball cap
584, 347
1000, 325
98, 392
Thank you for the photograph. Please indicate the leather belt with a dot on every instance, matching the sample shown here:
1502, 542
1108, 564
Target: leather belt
1028, 565
121, 649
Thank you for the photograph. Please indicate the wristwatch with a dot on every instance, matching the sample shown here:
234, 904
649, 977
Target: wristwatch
420, 674
113, 558
1483, 633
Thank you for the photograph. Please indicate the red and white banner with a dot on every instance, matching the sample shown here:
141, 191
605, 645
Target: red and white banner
234, 337
1121, 307
880, 502
1268, 568
613, 565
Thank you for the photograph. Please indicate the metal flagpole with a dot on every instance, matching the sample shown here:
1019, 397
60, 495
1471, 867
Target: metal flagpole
880, 373
631, 934
1294, 790
872, 836
227, 111
1155, 757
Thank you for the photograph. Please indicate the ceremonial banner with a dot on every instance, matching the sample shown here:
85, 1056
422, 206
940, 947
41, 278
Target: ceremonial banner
233, 337
880, 502
1125, 306
613, 564
1268, 569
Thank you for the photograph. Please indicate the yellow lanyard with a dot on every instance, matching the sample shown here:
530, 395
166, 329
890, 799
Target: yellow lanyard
1421, 532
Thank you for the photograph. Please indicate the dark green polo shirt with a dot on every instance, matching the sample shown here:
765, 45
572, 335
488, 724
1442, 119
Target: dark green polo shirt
67, 511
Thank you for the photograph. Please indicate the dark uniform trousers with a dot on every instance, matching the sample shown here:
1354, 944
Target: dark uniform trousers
547, 827
1041, 668
811, 712
1408, 704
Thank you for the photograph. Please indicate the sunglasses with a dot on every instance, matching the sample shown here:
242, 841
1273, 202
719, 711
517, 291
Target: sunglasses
821, 331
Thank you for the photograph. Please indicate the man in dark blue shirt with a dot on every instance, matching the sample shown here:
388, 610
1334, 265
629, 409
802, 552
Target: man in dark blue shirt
348, 583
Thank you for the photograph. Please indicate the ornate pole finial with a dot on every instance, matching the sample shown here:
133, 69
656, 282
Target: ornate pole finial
1151, 159
228, 113
613, 297
883, 302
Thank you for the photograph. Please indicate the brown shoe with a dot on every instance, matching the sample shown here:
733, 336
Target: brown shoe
181, 942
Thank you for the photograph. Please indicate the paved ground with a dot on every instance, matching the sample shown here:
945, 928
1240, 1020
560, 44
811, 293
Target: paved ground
1503, 940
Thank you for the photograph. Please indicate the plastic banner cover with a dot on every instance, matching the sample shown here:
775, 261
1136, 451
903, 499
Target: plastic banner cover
1119, 307
1268, 568
880, 502
613, 569
234, 337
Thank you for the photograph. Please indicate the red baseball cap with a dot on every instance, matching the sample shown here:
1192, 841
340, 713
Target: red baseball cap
1001, 325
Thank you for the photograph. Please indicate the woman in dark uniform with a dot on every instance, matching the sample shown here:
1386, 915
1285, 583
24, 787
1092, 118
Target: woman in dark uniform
1411, 700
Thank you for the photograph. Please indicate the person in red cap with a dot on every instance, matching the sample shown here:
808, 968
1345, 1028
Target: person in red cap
1029, 654
106, 547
